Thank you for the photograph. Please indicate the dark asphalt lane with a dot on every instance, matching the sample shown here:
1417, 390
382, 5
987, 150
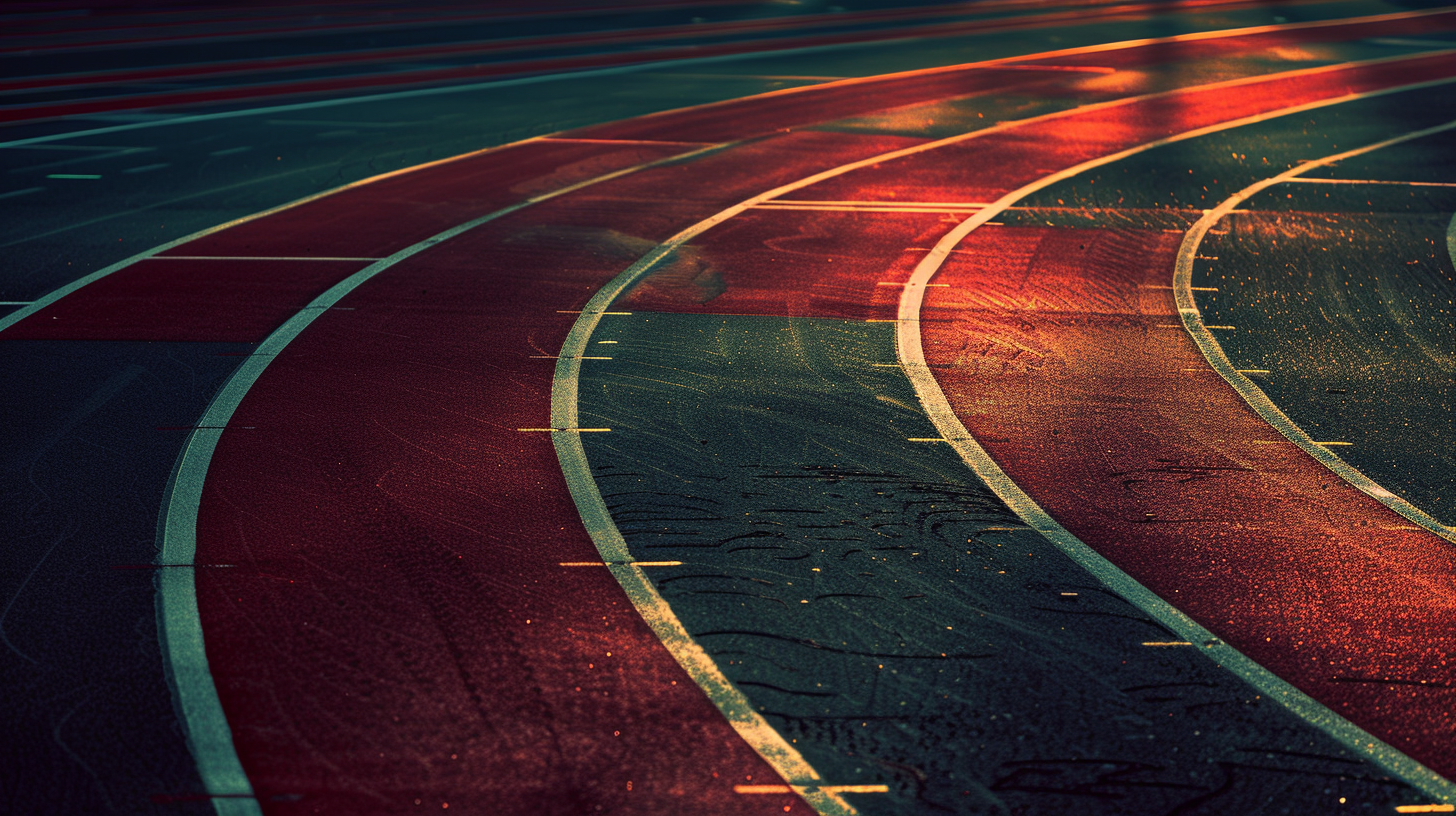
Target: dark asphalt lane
1339, 295
1343, 294
890, 615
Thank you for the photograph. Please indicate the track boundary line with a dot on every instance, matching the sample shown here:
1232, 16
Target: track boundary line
1246, 388
179, 623
640, 67
933, 399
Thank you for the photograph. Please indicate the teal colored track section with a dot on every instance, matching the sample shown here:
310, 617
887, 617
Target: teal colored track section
889, 616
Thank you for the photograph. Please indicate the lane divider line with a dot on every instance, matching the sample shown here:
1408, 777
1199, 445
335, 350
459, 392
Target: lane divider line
1370, 181
179, 623
1015, 62
933, 399
1246, 388
597, 519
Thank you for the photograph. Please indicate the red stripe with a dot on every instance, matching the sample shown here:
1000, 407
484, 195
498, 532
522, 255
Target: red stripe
1061, 366
242, 301
394, 533
784, 262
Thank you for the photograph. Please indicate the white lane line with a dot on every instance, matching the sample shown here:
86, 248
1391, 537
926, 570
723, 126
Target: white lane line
18, 193
251, 258
931, 396
1251, 393
208, 734
1369, 181
1009, 62
1451, 239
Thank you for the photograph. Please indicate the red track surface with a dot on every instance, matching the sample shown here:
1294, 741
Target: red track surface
1062, 352
418, 531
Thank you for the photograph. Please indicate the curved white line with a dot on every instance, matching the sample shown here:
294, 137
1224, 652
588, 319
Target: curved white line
931, 396
1252, 394
657, 66
179, 624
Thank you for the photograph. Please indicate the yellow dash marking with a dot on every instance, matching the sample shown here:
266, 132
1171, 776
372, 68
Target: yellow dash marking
630, 563
606, 342
1335, 444
1425, 808
891, 320
1068, 594
970, 204
885, 365
1269, 441
1001, 529
251, 258
925, 439
578, 311
751, 789
1399, 527
1226, 328
1166, 643
1252, 370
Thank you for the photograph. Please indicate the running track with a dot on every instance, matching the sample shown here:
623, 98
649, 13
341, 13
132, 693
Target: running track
401, 593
